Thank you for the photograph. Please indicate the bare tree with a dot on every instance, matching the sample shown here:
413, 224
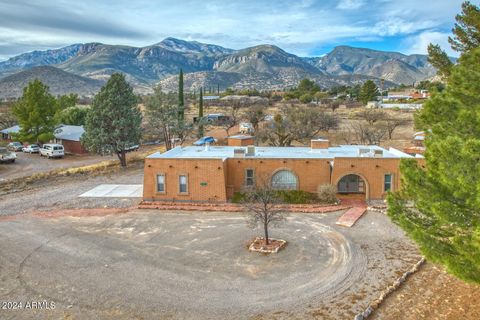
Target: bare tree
367, 133
297, 123
254, 115
262, 208
233, 116
7, 120
391, 124
162, 120
372, 115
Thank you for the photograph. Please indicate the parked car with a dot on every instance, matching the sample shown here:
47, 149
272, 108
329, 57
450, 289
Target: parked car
268, 117
202, 141
7, 156
31, 148
132, 147
246, 128
15, 146
52, 151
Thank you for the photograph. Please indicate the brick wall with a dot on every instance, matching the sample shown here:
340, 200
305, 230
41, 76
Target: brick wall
310, 172
74, 147
217, 180
206, 179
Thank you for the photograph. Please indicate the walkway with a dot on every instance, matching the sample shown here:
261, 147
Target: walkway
115, 191
358, 208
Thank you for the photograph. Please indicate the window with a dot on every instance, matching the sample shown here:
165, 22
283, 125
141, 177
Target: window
249, 177
160, 183
284, 180
182, 183
387, 185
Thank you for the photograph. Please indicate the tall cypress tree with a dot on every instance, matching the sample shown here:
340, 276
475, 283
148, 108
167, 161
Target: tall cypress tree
200, 114
181, 101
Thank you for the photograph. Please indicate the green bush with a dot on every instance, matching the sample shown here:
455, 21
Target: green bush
238, 197
327, 193
285, 196
296, 196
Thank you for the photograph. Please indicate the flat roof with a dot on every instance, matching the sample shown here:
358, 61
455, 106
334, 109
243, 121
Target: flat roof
225, 152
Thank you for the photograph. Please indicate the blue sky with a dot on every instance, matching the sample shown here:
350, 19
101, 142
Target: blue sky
302, 27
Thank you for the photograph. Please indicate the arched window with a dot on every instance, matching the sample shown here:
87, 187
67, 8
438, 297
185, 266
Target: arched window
284, 180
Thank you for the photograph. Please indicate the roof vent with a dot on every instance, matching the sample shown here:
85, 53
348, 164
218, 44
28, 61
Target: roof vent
250, 151
239, 153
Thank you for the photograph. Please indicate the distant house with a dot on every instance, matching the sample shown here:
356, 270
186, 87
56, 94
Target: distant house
69, 136
418, 146
7, 133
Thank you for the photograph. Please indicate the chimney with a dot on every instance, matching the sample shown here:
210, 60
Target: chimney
319, 144
207, 146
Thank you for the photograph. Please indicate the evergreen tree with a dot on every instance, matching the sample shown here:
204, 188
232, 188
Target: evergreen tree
466, 37
440, 60
35, 113
467, 29
445, 218
113, 122
181, 99
200, 114
369, 92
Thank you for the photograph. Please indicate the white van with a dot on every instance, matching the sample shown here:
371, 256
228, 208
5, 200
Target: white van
52, 151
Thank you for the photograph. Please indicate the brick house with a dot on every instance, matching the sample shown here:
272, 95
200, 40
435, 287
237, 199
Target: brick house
214, 174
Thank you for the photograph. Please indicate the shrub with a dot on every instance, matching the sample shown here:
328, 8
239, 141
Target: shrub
296, 196
327, 193
286, 196
238, 197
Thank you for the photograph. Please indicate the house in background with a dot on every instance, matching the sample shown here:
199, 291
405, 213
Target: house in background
7, 133
215, 173
418, 144
69, 136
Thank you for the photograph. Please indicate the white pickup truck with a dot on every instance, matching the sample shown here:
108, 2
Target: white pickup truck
7, 156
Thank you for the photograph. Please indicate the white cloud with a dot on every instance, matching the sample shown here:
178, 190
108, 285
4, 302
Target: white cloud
350, 4
299, 27
419, 43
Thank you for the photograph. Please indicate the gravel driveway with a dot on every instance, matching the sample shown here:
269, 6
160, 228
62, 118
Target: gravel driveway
147, 264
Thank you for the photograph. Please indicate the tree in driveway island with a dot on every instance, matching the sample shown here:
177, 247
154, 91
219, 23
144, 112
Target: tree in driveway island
262, 207
113, 122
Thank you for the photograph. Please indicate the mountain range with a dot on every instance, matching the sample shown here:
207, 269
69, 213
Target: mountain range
71, 68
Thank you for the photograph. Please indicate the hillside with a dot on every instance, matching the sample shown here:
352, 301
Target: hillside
392, 66
261, 67
59, 82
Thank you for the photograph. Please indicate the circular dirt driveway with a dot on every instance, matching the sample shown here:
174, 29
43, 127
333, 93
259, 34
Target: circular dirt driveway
190, 265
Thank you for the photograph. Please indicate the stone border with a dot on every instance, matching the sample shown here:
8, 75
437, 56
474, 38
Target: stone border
390, 289
275, 250
235, 207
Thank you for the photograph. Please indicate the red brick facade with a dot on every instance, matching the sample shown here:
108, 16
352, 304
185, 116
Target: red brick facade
216, 180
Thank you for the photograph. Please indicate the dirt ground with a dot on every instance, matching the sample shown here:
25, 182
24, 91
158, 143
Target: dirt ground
29, 164
431, 293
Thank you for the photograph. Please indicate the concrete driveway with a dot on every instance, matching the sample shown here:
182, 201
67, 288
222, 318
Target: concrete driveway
151, 264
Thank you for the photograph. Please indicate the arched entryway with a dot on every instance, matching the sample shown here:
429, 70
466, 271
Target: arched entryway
284, 180
352, 184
